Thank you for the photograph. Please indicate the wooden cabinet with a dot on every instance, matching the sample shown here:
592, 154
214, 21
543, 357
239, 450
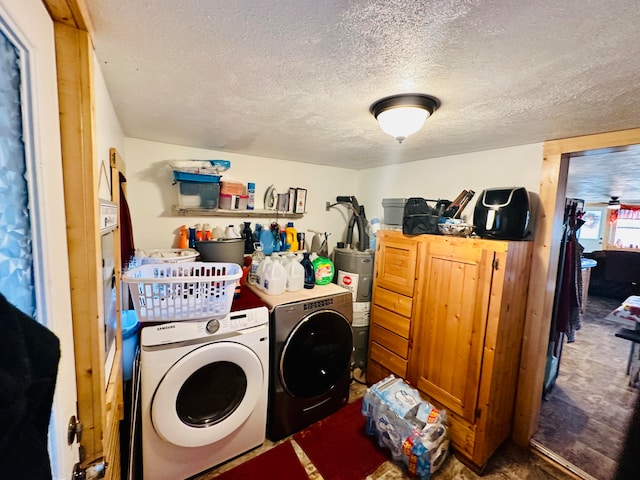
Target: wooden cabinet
463, 330
391, 306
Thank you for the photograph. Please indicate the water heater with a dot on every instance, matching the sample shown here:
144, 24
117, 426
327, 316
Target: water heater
354, 271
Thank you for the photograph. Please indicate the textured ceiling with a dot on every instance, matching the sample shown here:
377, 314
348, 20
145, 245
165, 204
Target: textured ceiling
294, 79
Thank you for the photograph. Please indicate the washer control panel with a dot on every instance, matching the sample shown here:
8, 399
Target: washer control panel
186, 330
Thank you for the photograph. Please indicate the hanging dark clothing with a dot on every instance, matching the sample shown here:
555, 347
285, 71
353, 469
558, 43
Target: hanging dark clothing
29, 356
127, 247
570, 289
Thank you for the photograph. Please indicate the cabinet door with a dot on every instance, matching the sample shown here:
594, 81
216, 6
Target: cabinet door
452, 323
395, 267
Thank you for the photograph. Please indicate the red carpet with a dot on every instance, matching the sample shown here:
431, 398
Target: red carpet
278, 463
339, 447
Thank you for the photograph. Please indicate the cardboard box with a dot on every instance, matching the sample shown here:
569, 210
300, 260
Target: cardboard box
232, 188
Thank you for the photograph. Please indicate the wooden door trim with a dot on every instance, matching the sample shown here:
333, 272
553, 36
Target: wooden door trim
100, 404
83, 233
555, 167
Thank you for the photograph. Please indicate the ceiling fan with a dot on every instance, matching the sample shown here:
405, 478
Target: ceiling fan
614, 203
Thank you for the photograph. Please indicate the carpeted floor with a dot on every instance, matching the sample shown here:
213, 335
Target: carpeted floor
584, 419
508, 463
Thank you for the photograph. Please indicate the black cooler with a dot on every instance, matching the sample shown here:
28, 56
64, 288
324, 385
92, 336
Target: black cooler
502, 213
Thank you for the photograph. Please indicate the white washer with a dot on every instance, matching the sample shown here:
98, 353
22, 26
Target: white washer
204, 392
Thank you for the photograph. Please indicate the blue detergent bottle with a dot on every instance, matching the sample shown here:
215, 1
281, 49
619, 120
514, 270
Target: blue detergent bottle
266, 240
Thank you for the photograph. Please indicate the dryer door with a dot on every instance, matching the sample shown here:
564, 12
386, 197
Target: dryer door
207, 394
316, 354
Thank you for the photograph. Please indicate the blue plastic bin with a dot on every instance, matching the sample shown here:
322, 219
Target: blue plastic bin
130, 327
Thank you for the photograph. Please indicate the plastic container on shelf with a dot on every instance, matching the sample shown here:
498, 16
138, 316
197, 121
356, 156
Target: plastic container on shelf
291, 237
374, 227
229, 201
182, 291
251, 192
182, 176
267, 241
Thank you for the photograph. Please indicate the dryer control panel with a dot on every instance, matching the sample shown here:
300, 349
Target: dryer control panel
208, 328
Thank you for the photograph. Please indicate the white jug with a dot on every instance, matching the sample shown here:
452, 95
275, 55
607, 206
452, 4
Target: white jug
275, 278
260, 272
231, 232
295, 275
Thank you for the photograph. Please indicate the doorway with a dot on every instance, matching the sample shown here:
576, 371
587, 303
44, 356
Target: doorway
553, 191
588, 401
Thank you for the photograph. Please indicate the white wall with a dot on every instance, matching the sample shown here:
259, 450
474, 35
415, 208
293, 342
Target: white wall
108, 132
446, 177
151, 193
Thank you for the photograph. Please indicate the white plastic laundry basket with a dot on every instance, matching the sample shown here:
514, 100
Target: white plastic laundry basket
182, 291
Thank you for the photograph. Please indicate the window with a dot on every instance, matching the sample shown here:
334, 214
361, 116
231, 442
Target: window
627, 227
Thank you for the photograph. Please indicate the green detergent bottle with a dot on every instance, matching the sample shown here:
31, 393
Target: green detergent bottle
324, 270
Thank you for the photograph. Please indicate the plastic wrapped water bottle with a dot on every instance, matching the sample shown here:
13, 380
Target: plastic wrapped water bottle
374, 227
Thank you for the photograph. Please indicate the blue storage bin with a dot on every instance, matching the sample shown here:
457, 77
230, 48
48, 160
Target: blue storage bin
130, 327
179, 176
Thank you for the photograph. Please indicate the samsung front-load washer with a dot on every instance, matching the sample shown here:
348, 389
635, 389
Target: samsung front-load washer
204, 392
311, 349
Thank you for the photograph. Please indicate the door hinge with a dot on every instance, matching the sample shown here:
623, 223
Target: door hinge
74, 430
93, 471
495, 264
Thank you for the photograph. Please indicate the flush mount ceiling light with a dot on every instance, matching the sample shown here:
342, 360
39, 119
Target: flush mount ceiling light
404, 114
614, 203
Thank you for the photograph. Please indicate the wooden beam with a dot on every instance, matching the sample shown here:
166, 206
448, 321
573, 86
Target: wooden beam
73, 61
72, 13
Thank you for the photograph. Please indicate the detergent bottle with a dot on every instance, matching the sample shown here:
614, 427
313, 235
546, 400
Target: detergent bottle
292, 237
183, 241
267, 241
309, 272
324, 270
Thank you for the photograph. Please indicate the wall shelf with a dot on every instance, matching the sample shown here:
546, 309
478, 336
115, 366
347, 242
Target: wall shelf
218, 212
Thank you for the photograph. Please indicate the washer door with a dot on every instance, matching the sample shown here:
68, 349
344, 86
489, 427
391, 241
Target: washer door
207, 394
316, 354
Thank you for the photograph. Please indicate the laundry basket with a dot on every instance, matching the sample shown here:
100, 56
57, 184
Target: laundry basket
182, 291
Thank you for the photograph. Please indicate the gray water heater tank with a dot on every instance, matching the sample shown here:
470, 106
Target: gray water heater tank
354, 271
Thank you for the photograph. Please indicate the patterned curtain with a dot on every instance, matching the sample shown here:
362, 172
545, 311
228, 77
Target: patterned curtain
631, 212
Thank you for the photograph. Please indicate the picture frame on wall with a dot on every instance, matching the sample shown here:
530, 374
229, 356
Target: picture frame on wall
301, 200
590, 230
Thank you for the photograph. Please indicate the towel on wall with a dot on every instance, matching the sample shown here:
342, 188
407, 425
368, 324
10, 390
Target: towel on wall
29, 356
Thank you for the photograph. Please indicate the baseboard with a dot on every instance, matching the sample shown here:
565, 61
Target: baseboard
558, 462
